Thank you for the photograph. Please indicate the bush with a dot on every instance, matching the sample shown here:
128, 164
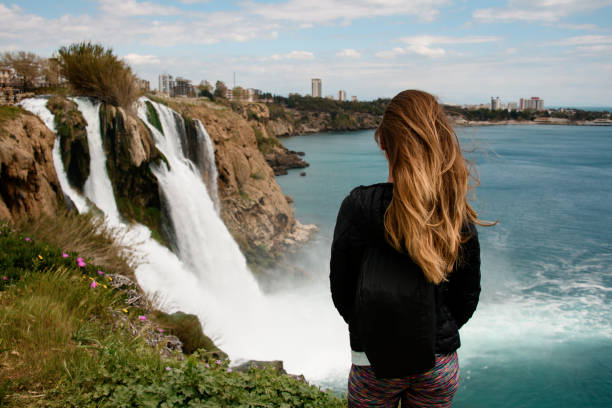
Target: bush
95, 71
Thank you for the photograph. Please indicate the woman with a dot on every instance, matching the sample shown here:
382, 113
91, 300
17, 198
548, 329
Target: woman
405, 263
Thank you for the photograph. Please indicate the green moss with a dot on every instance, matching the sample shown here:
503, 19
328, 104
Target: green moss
188, 329
153, 117
74, 147
257, 176
265, 144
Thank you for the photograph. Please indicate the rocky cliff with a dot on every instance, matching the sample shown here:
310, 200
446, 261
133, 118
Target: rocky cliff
252, 204
28, 182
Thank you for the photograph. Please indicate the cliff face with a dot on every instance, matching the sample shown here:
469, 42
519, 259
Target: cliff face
253, 206
28, 182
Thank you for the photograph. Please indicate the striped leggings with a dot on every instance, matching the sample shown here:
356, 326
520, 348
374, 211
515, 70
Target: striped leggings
434, 388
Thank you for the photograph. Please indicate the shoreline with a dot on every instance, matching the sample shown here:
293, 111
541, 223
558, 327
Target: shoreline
558, 122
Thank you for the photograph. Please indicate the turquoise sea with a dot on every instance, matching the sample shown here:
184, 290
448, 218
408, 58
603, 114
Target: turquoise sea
542, 334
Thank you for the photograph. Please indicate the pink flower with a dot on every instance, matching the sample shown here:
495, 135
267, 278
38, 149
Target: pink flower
93, 284
79, 259
82, 264
160, 330
167, 368
207, 365
143, 318
100, 272
28, 239
218, 361
64, 255
4, 278
229, 370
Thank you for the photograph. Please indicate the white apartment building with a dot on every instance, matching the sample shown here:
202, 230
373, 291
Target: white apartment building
166, 84
316, 87
341, 95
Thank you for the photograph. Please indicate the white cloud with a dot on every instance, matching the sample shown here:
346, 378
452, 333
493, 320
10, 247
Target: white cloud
193, 1
348, 53
126, 8
422, 45
137, 59
547, 11
294, 55
582, 40
325, 11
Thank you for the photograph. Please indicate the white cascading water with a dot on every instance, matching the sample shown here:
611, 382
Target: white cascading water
210, 277
38, 106
98, 187
209, 160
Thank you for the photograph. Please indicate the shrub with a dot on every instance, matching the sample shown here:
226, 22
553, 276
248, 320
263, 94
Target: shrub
92, 70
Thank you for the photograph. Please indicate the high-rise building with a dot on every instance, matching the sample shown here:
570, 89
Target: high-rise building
354, 98
143, 85
534, 103
316, 87
166, 84
182, 87
495, 103
341, 95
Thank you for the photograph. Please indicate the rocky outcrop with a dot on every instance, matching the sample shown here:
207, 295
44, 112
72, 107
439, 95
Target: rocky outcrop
72, 131
252, 204
130, 151
288, 122
28, 182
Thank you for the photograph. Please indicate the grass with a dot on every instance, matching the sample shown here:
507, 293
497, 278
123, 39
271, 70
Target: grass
64, 343
265, 144
154, 117
10, 112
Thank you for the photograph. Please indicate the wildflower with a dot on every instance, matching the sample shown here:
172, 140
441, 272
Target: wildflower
143, 318
218, 361
160, 330
27, 239
93, 284
40, 257
229, 370
167, 368
124, 310
79, 259
109, 278
90, 278
100, 272
207, 365
105, 287
64, 255
4, 278
82, 264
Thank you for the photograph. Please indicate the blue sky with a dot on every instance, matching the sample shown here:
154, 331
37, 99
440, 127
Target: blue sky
464, 52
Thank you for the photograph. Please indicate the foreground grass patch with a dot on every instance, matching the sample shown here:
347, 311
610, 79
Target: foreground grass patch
68, 340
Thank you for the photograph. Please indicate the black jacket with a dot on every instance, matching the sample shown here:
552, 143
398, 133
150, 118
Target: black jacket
398, 318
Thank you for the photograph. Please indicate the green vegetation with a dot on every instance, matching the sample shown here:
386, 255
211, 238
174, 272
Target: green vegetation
65, 342
92, 70
10, 112
153, 117
488, 114
310, 104
74, 147
265, 144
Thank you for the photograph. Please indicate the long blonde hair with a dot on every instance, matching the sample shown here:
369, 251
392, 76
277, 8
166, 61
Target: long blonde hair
430, 183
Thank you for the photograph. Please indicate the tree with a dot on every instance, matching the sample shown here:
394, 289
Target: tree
25, 64
220, 90
238, 93
50, 70
92, 70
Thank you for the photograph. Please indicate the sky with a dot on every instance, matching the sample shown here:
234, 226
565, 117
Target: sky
464, 52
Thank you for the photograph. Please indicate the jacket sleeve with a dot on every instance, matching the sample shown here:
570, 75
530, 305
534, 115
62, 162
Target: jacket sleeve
343, 266
464, 282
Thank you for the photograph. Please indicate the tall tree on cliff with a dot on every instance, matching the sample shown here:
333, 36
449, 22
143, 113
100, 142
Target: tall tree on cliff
25, 64
92, 70
220, 90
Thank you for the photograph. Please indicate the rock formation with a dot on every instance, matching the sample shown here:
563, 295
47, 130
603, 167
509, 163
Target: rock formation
29, 184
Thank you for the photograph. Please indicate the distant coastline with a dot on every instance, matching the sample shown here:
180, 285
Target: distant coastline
460, 122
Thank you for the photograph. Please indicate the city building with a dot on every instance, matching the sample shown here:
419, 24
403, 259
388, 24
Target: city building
341, 95
143, 85
353, 98
329, 97
182, 87
534, 103
166, 84
495, 103
316, 87
6, 75
512, 106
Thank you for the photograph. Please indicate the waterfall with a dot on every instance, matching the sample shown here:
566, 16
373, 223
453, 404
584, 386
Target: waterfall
98, 187
208, 167
38, 106
208, 276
